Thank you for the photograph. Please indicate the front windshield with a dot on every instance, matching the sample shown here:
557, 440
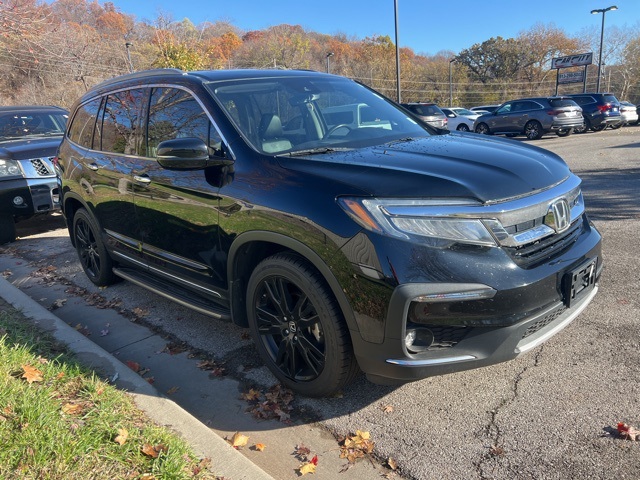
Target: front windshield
28, 124
303, 113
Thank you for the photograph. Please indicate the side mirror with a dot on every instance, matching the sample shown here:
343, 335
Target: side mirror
187, 153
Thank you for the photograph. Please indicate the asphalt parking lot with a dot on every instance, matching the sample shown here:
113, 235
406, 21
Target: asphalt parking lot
549, 414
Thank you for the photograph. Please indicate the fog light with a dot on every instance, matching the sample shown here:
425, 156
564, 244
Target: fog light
418, 339
18, 200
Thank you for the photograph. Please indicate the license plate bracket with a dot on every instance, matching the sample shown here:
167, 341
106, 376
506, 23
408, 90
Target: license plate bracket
578, 282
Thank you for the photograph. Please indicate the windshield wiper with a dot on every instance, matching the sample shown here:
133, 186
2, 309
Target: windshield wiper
315, 151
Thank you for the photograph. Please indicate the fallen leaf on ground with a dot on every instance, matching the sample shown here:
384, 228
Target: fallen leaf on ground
172, 390
202, 465
72, 408
238, 440
627, 432
387, 409
496, 450
122, 436
393, 465
153, 450
31, 374
135, 366
259, 447
307, 468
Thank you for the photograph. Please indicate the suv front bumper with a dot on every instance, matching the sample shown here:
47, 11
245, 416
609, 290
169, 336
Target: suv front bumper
25, 198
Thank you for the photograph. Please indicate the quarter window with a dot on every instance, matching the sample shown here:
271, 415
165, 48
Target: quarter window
81, 130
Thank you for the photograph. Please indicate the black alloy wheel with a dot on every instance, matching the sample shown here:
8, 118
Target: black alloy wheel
463, 127
616, 126
95, 260
533, 130
599, 128
564, 132
298, 328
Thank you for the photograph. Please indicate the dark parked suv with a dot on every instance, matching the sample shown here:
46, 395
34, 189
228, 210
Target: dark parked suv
376, 245
600, 110
29, 139
532, 117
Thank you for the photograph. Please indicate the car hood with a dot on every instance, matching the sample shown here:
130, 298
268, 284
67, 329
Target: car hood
454, 165
33, 147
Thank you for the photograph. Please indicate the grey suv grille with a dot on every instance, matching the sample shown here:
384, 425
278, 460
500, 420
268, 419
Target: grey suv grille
41, 167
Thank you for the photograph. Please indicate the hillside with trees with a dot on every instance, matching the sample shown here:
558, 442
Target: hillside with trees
51, 53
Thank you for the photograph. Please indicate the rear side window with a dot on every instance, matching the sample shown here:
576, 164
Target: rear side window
81, 128
121, 122
610, 98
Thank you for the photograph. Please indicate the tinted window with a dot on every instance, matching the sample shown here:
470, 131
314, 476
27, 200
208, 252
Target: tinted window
81, 129
426, 110
610, 98
506, 108
174, 113
583, 100
562, 102
121, 121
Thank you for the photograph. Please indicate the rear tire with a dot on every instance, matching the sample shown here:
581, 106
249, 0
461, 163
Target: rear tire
565, 132
298, 328
463, 127
616, 126
95, 260
483, 129
533, 130
599, 128
7, 229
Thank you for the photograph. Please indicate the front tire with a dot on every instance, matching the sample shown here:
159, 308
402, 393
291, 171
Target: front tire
95, 260
533, 130
616, 126
298, 328
463, 127
7, 229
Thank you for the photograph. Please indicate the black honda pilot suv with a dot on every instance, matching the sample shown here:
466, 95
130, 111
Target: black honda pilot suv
374, 244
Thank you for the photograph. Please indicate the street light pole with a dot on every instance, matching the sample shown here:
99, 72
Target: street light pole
595, 12
330, 54
127, 46
451, 82
395, 6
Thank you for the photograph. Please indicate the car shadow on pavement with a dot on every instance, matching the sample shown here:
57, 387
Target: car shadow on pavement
611, 193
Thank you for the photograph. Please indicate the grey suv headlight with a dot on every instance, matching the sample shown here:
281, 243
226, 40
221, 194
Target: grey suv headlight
9, 168
418, 219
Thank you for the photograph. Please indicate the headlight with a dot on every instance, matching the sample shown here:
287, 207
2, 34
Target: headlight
9, 168
418, 219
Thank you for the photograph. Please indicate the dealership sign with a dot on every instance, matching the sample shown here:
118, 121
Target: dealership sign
571, 77
572, 61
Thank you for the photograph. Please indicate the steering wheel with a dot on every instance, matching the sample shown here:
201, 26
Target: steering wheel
332, 130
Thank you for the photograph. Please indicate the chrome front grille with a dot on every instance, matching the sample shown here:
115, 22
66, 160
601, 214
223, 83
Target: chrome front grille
41, 167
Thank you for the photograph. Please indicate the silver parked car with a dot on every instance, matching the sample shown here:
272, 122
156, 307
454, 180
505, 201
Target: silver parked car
629, 114
532, 117
429, 113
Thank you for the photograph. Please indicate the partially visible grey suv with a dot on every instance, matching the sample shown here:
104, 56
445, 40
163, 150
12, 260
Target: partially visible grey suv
532, 117
600, 110
429, 113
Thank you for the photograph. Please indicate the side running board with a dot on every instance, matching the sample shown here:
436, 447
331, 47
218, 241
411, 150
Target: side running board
175, 293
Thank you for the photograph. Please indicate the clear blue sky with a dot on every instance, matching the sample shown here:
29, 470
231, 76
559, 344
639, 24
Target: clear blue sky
426, 26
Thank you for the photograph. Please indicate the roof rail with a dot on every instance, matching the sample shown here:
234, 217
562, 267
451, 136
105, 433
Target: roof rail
141, 74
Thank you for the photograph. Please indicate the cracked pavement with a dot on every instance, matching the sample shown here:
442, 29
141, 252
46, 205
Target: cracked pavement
548, 414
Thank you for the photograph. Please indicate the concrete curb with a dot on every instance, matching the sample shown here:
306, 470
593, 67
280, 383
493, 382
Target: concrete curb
225, 460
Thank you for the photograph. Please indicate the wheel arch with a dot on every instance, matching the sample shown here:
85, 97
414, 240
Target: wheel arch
251, 248
70, 205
